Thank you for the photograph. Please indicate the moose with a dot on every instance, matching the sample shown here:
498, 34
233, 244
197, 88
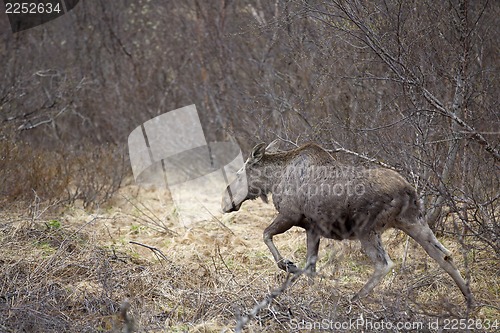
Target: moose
311, 190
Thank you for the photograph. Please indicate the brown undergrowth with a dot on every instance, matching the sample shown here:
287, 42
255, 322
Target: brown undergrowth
90, 174
72, 272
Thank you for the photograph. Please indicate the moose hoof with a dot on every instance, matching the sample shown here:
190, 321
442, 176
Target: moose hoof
288, 266
310, 270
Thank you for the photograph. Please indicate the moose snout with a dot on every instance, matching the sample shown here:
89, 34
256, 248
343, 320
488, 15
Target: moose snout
228, 204
230, 207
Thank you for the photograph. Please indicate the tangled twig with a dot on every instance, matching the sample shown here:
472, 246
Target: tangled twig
290, 279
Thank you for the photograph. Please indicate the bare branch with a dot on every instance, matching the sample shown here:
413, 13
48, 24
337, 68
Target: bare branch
290, 279
362, 156
157, 252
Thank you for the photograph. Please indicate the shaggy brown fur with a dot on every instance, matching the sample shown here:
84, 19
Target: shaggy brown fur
313, 191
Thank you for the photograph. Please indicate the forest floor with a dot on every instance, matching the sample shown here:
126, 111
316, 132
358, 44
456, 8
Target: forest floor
132, 263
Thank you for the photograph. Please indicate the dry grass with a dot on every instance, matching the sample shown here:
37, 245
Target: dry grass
73, 271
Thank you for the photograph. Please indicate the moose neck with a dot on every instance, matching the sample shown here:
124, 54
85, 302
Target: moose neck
273, 167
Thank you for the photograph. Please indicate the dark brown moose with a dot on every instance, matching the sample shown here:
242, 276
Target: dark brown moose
310, 189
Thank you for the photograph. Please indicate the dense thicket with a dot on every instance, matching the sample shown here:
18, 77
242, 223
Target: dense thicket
412, 83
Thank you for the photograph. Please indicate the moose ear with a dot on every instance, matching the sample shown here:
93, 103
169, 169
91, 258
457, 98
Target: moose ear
273, 146
258, 152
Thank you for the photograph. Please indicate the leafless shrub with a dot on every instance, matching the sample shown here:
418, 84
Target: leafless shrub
24, 170
91, 175
96, 174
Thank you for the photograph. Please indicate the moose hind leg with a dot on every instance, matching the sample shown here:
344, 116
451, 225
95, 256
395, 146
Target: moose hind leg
312, 251
423, 235
372, 246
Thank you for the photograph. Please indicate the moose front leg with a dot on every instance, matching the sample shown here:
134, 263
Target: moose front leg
279, 226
